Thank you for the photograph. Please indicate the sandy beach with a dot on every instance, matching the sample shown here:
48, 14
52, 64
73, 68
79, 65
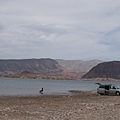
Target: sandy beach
81, 105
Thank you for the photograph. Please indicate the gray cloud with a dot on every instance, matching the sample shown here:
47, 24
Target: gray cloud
1, 27
112, 38
79, 29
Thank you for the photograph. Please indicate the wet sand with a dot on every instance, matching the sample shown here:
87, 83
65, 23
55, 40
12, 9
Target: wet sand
79, 105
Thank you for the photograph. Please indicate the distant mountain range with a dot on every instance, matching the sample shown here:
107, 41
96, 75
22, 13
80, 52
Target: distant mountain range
46, 68
105, 70
59, 69
78, 65
31, 65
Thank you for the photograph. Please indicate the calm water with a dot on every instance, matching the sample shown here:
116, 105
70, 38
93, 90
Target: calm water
13, 86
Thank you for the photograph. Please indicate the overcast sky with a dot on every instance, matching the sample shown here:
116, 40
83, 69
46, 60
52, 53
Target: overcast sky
60, 29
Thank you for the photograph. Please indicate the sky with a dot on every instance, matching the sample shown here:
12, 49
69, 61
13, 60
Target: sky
60, 29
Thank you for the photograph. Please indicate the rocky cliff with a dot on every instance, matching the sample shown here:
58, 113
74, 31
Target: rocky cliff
30, 65
105, 70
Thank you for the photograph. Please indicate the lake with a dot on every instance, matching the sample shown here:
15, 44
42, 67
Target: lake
24, 87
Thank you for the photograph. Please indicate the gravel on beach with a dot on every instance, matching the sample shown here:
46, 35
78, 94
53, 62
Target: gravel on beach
79, 105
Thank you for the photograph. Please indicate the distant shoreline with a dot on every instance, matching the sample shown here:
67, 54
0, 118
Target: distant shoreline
101, 79
47, 78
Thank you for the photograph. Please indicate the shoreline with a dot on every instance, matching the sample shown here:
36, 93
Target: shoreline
68, 93
79, 105
84, 79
